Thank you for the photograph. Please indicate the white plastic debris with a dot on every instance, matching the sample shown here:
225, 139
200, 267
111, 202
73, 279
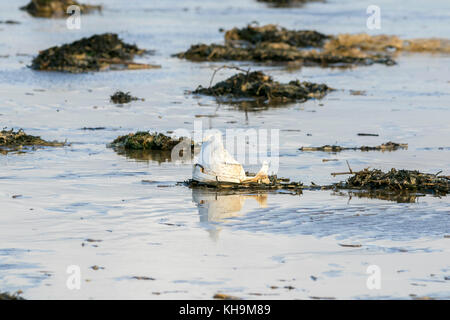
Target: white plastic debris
215, 165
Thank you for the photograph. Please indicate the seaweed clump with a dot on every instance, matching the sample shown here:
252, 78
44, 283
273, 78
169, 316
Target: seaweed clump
274, 34
144, 140
257, 85
120, 97
388, 146
11, 140
274, 184
56, 8
273, 44
96, 53
9, 296
397, 181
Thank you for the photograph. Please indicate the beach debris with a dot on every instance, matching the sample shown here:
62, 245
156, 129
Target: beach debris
287, 3
143, 278
96, 53
368, 134
215, 165
120, 97
349, 245
258, 86
396, 181
56, 8
9, 22
11, 140
9, 296
388, 146
96, 268
144, 140
274, 44
223, 296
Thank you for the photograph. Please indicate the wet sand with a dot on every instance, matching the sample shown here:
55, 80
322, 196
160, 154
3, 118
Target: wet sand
196, 244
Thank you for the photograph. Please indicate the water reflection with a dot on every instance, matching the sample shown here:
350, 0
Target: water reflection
215, 206
145, 155
403, 197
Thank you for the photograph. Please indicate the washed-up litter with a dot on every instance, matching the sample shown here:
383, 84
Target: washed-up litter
144, 140
388, 146
96, 53
215, 168
272, 44
214, 165
120, 97
258, 86
11, 140
56, 8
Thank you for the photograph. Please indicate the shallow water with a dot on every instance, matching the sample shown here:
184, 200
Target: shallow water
196, 243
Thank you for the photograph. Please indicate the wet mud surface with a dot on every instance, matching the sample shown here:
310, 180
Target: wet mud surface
199, 242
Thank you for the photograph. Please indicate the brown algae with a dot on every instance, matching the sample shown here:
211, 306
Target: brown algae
11, 140
144, 140
120, 97
397, 181
257, 85
273, 34
275, 183
56, 8
273, 44
96, 53
388, 146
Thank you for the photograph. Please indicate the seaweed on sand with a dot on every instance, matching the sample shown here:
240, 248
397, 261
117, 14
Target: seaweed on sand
9, 296
11, 140
272, 33
279, 52
144, 140
96, 53
273, 44
396, 185
257, 85
274, 184
120, 97
397, 181
388, 146
56, 8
